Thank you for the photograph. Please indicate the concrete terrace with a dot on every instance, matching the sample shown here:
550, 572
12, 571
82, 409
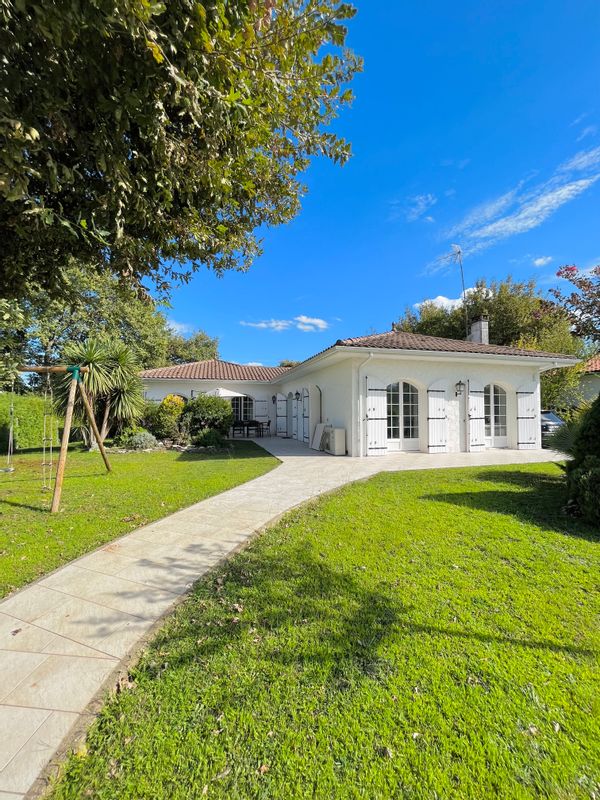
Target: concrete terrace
64, 638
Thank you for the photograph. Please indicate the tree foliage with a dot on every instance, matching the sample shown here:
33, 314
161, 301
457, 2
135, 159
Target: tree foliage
519, 317
112, 384
148, 139
199, 346
98, 305
582, 304
12, 340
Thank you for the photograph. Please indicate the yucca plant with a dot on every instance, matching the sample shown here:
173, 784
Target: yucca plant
563, 438
111, 383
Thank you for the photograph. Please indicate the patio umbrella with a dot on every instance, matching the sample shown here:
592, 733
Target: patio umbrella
226, 393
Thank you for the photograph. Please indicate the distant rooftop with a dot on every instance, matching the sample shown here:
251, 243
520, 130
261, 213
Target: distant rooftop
215, 370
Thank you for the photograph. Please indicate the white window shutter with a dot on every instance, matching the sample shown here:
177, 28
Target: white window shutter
528, 417
376, 418
476, 416
261, 410
437, 418
281, 419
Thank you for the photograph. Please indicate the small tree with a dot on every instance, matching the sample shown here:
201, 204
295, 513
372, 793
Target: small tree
112, 384
583, 303
206, 411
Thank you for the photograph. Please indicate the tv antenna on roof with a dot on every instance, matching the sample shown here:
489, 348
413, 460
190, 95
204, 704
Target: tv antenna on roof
456, 257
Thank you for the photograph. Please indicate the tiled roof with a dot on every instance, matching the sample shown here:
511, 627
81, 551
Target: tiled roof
593, 365
402, 340
215, 370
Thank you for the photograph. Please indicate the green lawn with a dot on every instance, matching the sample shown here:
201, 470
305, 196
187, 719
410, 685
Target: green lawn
421, 635
98, 507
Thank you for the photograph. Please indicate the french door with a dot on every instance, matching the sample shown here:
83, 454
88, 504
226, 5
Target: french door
494, 404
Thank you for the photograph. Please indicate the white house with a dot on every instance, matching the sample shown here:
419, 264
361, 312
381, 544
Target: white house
590, 380
388, 392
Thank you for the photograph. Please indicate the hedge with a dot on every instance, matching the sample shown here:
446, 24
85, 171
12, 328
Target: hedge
29, 421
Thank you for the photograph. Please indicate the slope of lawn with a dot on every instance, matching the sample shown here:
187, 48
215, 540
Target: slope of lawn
421, 635
97, 507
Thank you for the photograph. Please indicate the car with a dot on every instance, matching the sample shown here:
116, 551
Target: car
550, 423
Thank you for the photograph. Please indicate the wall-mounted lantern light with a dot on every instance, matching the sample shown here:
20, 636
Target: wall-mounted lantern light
274, 399
297, 395
459, 389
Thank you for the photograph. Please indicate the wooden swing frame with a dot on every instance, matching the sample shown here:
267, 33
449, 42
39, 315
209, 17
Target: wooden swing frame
76, 373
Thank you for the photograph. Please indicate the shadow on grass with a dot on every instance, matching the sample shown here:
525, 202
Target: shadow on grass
323, 617
540, 501
238, 450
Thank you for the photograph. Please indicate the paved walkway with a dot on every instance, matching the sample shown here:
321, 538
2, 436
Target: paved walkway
62, 639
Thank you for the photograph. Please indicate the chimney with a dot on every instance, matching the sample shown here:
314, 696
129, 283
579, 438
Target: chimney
480, 331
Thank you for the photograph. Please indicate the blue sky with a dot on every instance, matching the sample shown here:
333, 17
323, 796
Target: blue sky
475, 123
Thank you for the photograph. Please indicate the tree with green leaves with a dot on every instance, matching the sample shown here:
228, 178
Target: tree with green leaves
198, 346
519, 316
12, 341
148, 139
582, 303
98, 305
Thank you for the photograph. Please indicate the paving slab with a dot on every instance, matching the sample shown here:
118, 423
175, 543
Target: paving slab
62, 638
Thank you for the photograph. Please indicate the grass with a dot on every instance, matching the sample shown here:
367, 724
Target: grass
424, 634
97, 507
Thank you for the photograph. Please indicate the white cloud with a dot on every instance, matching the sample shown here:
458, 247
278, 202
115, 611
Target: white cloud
460, 163
254, 364
583, 160
302, 323
419, 205
445, 302
541, 261
521, 208
579, 119
269, 324
305, 323
180, 328
589, 130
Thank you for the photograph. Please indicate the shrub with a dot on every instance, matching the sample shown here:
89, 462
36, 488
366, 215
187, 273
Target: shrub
584, 488
162, 419
136, 438
29, 421
587, 441
207, 412
209, 437
583, 472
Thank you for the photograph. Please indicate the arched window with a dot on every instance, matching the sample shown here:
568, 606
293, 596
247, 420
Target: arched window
410, 411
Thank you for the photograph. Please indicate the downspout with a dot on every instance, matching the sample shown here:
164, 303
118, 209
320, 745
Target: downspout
360, 415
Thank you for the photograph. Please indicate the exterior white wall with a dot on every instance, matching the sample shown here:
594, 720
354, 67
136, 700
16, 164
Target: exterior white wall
158, 388
423, 373
330, 391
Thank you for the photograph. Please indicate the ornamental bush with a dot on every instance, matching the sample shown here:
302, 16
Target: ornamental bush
136, 438
583, 472
209, 437
162, 419
204, 412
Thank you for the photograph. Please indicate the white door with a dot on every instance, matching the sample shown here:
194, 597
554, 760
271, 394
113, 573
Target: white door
289, 415
437, 418
281, 418
476, 416
376, 418
261, 410
494, 405
305, 417
294, 418
528, 420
